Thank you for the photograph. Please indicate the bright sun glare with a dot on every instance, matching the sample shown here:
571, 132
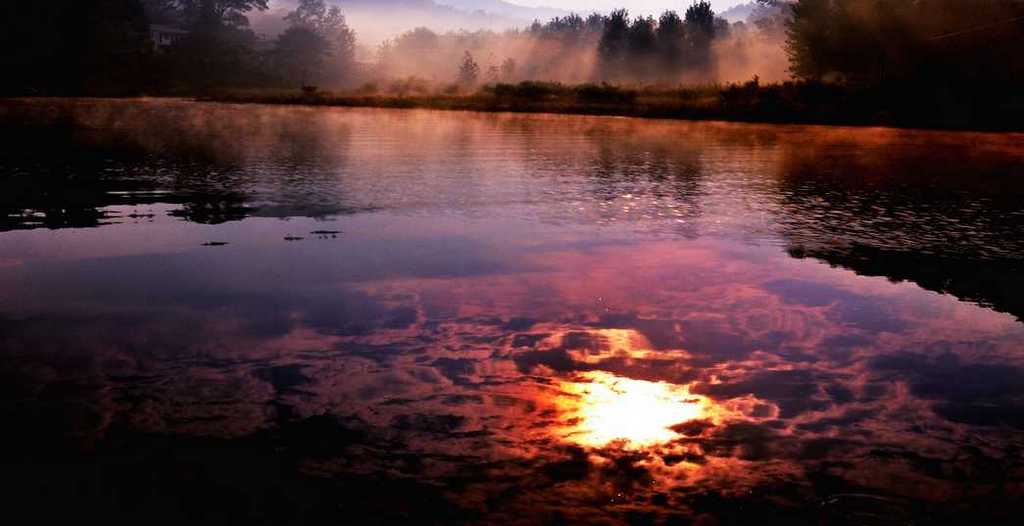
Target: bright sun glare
605, 408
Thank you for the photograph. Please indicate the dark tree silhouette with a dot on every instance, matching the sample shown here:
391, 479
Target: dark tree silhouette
206, 14
671, 37
700, 31
218, 50
947, 43
334, 56
613, 47
72, 47
642, 44
300, 54
700, 18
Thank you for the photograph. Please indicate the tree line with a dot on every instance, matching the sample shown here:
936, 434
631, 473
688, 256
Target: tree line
106, 47
953, 43
648, 49
614, 48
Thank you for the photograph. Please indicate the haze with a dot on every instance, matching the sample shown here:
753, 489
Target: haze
639, 7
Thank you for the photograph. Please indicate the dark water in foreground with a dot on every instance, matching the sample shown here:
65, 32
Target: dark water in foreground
253, 315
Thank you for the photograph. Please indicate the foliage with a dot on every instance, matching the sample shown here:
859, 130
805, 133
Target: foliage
671, 36
613, 48
700, 31
604, 93
941, 44
317, 47
69, 46
300, 54
700, 19
209, 14
663, 49
529, 90
316, 16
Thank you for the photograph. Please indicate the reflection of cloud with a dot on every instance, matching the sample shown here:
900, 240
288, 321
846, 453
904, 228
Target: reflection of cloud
983, 394
795, 391
647, 376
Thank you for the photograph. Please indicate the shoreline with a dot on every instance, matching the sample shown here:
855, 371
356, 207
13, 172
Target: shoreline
782, 104
773, 104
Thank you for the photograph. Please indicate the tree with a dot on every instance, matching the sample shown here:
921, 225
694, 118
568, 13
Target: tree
568, 28
337, 57
218, 50
642, 38
642, 43
614, 43
199, 14
810, 39
937, 45
700, 31
701, 18
315, 15
74, 47
114, 47
594, 24
469, 70
300, 54
671, 38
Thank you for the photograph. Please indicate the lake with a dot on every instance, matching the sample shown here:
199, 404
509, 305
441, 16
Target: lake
251, 314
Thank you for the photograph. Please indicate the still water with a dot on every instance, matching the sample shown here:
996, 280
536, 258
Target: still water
245, 314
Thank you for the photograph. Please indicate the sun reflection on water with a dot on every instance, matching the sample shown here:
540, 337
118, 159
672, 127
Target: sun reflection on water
604, 409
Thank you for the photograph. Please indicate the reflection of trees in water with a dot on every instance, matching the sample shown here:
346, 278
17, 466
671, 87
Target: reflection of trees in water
655, 182
658, 170
607, 170
54, 177
66, 164
944, 216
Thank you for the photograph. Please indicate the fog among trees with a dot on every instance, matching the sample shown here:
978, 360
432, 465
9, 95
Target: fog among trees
115, 47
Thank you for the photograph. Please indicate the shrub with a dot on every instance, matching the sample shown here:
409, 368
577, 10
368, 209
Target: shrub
531, 90
605, 93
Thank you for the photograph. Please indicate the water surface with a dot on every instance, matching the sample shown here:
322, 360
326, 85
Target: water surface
215, 313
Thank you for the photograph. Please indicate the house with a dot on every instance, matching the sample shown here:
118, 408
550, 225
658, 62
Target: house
164, 37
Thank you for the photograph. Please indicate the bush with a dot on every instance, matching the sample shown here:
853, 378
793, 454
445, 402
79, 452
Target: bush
605, 93
527, 90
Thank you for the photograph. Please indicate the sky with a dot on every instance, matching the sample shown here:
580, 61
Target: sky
637, 6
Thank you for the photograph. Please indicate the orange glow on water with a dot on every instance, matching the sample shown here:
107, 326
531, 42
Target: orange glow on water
604, 409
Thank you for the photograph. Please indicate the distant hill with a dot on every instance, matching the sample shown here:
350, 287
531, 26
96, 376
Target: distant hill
500, 7
740, 13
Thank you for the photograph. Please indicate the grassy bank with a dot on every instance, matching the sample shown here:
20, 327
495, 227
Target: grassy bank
791, 102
